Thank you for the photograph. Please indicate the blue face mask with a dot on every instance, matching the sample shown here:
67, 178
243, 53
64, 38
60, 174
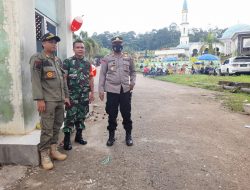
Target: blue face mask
117, 48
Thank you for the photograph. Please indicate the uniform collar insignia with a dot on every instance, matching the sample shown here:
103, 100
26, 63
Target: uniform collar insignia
47, 56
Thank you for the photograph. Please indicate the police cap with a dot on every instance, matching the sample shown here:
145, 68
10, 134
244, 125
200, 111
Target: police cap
50, 36
117, 39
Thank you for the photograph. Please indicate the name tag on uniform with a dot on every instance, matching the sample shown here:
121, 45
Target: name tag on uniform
72, 76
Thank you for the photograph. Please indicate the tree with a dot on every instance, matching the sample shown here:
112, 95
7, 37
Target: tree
197, 34
173, 26
209, 42
157, 39
103, 52
91, 46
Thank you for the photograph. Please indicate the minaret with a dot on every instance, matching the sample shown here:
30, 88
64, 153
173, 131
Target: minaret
184, 39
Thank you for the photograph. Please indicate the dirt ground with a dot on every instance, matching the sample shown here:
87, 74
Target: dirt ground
183, 139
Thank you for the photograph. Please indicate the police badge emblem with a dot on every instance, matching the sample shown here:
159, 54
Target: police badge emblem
49, 74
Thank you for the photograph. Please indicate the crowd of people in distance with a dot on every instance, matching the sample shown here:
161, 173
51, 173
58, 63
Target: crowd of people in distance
175, 68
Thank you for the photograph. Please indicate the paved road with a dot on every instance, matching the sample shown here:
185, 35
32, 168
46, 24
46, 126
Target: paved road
183, 139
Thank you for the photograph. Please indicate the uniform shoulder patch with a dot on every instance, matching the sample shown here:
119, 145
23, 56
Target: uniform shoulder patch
104, 60
57, 59
38, 63
127, 58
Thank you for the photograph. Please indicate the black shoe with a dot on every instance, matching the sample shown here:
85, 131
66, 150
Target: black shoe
128, 139
79, 138
66, 143
111, 139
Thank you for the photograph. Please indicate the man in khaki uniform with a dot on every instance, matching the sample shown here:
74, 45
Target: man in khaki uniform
50, 91
117, 78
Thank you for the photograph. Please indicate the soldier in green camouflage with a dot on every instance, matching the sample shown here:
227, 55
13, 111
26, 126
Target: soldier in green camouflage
81, 92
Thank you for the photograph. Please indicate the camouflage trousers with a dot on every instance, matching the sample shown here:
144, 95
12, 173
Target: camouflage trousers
51, 122
75, 116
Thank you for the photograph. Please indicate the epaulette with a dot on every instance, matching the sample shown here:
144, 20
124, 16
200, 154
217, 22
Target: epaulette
57, 59
126, 57
38, 55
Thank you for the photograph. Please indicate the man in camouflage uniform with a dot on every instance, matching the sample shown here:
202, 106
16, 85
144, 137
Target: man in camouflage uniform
49, 89
117, 78
81, 92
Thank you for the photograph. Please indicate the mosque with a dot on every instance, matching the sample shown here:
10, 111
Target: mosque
235, 40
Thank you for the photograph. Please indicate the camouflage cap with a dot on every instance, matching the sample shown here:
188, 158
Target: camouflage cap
50, 36
117, 39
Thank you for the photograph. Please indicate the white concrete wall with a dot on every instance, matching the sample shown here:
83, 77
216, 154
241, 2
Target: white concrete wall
27, 38
20, 40
169, 52
18, 26
230, 46
64, 21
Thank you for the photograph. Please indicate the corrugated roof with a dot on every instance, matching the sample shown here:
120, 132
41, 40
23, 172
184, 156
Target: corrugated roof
229, 33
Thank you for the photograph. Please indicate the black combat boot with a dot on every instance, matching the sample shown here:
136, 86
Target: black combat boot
67, 144
128, 138
79, 138
111, 139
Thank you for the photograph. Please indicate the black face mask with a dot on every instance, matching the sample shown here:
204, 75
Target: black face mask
117, 48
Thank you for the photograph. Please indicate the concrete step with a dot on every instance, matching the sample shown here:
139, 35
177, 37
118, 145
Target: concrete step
20, 149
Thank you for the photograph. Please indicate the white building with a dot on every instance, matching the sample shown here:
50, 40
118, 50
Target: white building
184, 39
233, 39
183, 47
22, 23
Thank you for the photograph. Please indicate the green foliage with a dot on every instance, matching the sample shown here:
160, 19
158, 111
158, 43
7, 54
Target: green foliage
6, 108
103, 52
91, 46
156, 39
6, 111
233, 101
209, 39
196, 35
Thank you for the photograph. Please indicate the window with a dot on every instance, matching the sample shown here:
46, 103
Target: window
242, 59
246, 42
43, 26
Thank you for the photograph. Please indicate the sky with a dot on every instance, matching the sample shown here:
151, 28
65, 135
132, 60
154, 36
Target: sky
143, 16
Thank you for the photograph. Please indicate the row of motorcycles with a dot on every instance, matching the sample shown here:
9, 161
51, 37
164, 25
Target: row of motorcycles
154, 72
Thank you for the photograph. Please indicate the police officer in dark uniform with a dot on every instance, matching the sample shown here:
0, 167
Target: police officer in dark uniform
117, 78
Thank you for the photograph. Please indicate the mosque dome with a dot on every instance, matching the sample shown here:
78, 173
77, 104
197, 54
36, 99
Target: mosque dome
229, 33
